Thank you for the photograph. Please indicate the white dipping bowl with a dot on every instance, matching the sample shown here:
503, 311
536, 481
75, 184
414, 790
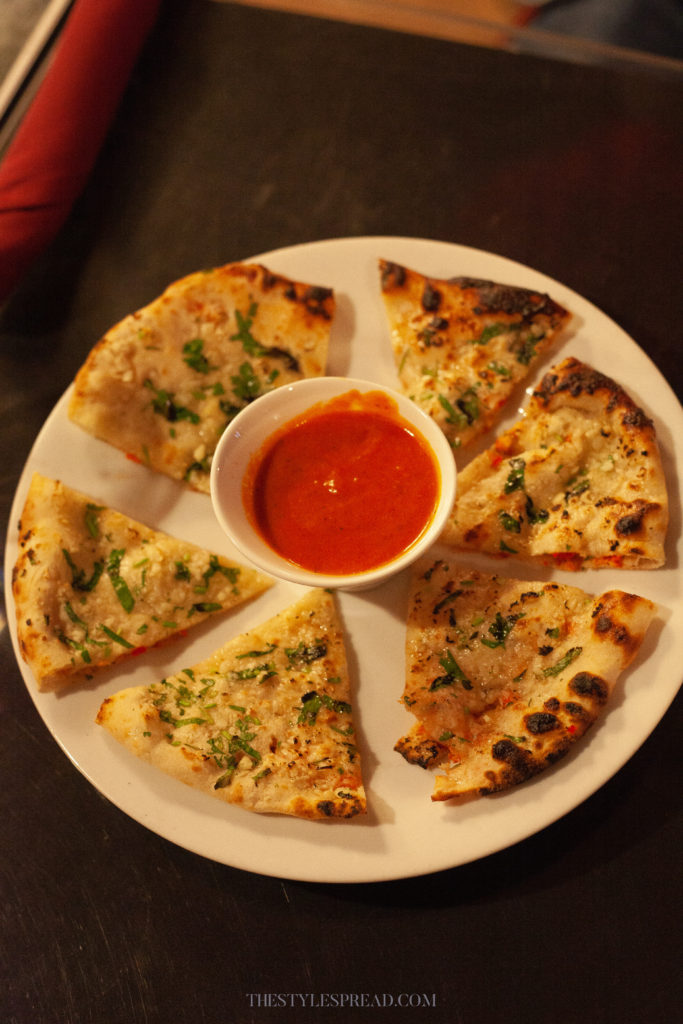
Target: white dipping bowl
246, 434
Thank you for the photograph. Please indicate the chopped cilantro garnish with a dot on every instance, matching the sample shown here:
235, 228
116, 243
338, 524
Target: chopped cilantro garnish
243, 333
120, 586
230, 572
207, 606
304, 654
577, 485
193, 355
491, 332
197, 467
78, 577
166, 716
563, 663
454, 594
165, 405
84, 653
74, 617
115, 636
252, 346
465, 410
257, 654
182, 572
245, 384
265, 670
515, 480
226, 750
453, 674
453, 416
90, 517
499, 630
533, 514
348, 731
525, 348
468, 403
508, 522
312, 703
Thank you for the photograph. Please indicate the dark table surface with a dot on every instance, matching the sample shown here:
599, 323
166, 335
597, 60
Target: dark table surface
243, 131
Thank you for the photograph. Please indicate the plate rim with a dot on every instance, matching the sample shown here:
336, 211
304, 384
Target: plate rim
425, 865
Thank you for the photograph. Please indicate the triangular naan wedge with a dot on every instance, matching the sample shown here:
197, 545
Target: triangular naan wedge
266, 722
92, 585
576, 483
163, 383
462, 345
504, 676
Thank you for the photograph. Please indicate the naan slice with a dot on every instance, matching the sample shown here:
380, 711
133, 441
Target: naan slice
577, 482
163, 383
462, 345
91, 585
505, 676
266, 722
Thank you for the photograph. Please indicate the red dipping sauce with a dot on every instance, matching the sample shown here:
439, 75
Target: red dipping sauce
346, 487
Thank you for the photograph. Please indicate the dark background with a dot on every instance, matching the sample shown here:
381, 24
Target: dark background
243, 131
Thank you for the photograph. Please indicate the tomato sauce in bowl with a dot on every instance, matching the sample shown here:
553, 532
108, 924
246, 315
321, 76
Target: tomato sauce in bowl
343, 488
332, 482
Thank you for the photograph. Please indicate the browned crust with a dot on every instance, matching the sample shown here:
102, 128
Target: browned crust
316, 299
482, 295
549, 735
462, 345
419, 748
528, 720
575, 379
629, 518
340, 807
612, 613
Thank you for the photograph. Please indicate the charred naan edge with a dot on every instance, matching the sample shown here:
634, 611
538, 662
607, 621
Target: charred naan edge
420, 749
577, 482
461, 345
92, 586
490, 727
266, 722
163, 383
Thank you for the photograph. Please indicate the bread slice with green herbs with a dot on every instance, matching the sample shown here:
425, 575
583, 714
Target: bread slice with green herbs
266, 722
504, 676
462, 345
576, 483
162, 384
91, 585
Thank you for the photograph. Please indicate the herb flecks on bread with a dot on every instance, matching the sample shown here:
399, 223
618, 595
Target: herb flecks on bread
162, 384
504, 676
577, 482
92, 586
266, 722
462, 345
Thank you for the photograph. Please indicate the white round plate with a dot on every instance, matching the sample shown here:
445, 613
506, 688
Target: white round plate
404, 833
